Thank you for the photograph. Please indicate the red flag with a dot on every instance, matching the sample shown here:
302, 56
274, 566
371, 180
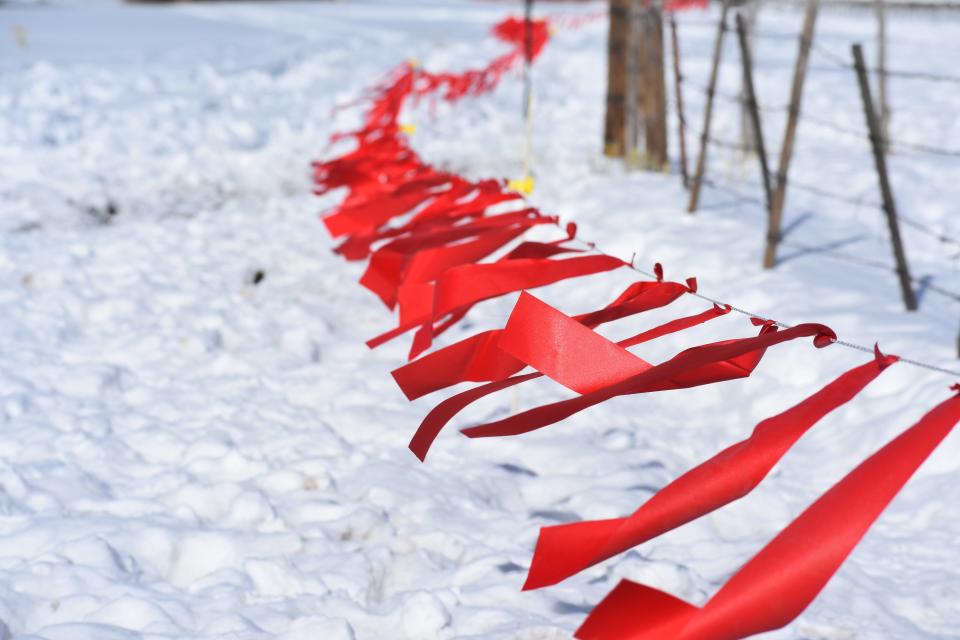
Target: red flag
731, 474
783, 579
697, 366
479, 359
438, 418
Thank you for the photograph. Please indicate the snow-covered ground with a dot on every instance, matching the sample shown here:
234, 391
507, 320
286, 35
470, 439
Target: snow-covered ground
188, 454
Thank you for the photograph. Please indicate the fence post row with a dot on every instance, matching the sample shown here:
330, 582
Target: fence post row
708, 111
790, 134
889, 207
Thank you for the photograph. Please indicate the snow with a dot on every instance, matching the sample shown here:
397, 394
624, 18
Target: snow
190, 454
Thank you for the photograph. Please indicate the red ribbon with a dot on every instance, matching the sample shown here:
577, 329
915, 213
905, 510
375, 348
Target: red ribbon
679, 5
479, 359
700, 365
440, 213
368, 216
459, 288
567, 549
780, 582
425, 256
438, 418
514, 31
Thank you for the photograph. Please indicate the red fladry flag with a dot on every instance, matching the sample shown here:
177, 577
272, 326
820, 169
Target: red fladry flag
459, 288
773, 588
567, 549
479, 359
535, 342
438, 418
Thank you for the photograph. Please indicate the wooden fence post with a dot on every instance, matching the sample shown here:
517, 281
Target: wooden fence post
678, 90
647, 93
884, 105
614, 131
751, 101
652, 94
708, 111
889, 207
750, 10
789, 134
633, 106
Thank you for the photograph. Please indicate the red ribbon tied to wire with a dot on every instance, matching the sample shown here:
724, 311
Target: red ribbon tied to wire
535, 330
775, 586
566, 549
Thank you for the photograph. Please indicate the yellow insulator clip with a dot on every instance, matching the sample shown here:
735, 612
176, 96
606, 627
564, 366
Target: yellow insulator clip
524, 185
413, 62
408, 128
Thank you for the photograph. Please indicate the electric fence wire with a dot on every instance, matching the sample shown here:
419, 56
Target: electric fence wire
843, 343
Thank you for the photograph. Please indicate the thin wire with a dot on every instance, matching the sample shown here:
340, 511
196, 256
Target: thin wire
925, 148
734, 98
721, 142
922, 75
833, 126
906, 220
739, 195
924, 229
843, 343
835, 58
953, 295
833, 195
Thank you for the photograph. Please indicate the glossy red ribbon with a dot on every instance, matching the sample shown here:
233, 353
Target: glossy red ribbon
479, 359
426, 256
626, 373
444, 211
459, 288
567, 549
441, 415
773, 588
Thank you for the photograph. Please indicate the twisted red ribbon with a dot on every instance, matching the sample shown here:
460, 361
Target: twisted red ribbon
479, 359
534, 342
438, 418
567, 549
780, 582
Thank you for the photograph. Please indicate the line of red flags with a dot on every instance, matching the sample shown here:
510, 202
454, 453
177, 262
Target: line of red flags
437, 244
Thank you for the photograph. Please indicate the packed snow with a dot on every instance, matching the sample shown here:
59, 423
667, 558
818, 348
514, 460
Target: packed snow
197, 443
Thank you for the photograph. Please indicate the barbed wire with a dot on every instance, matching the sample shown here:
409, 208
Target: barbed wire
742, 197
858, 201
833, 195
735, 98
820, 191
841, 62
893, 144
721, 142
900, 145
861, 134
